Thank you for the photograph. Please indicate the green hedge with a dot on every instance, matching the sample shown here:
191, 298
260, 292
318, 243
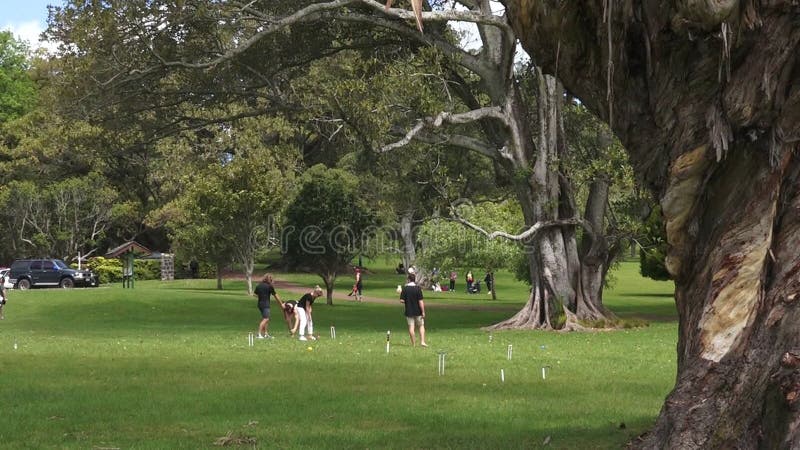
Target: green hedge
110, 270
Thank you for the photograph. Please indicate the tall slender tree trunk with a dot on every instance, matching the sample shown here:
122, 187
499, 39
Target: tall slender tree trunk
248, 274
706, 98
220, 268
329, 278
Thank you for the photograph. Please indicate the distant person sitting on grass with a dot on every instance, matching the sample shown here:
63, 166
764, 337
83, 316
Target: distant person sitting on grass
290, 310
411, 297
263, 291
304, 308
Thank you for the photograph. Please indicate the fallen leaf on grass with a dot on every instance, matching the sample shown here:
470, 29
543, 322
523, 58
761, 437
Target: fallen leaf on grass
230, 439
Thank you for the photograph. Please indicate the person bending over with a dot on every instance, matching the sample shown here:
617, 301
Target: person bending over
304, 310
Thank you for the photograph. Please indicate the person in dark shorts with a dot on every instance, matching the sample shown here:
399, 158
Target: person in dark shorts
263, 291
411, 297
304, 309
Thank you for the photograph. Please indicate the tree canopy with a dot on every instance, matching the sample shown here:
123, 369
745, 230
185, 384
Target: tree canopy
327, 224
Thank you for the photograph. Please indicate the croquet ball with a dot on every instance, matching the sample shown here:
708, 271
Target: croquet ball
310, 348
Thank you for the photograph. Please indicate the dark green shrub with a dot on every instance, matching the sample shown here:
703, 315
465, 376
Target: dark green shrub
109, 270
653, 252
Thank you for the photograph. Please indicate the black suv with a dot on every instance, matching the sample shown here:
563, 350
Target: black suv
27, 273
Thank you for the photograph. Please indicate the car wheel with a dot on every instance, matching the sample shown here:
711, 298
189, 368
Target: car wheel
66, 283
23, 284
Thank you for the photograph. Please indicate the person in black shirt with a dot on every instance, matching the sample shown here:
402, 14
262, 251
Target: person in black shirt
3, 295
411, 297
263, 291
304, 308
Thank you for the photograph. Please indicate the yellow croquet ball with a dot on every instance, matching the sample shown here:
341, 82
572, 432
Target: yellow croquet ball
310, 348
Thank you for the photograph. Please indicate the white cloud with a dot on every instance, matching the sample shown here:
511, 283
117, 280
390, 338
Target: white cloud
29, 32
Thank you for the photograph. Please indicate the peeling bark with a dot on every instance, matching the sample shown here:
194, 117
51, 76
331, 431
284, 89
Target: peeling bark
707, 103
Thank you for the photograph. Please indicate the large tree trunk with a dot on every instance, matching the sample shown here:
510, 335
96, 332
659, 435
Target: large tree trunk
736, 284
564, 282
595, 257
409, 239
706, 98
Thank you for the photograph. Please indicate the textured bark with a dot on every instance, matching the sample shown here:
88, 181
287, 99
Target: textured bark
706, 98
219, 276
409, 240
564, 280
329, 278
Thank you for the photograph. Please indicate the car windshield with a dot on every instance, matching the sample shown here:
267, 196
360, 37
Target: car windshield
60, 264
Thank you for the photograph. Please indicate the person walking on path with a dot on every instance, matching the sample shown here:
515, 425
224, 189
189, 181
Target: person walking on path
263, 291
357, 286
453, 276
411, 297
304, 308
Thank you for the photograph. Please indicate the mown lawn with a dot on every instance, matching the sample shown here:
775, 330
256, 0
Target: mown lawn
167, 365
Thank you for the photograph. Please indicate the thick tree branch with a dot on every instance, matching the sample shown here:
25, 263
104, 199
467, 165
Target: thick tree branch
443, 16
446, 117
458, 55
315, 12
530, 232
461, 141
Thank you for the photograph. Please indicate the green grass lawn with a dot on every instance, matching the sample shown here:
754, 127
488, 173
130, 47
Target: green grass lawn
167, 365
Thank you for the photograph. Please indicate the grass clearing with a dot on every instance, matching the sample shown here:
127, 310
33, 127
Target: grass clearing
167, 365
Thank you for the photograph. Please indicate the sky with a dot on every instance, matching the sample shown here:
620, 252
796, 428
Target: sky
26, 19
